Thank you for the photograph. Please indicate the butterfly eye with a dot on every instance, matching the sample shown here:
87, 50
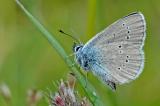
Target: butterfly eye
77, 48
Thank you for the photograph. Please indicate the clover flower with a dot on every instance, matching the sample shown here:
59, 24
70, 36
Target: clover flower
66, 94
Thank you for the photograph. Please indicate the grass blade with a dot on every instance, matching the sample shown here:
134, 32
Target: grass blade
89, 90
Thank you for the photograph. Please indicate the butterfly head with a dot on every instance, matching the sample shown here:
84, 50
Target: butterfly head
77, 47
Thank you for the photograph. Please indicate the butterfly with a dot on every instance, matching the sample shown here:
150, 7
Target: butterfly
115, 55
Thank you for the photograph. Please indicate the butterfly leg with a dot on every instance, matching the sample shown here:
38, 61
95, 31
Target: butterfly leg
112, 85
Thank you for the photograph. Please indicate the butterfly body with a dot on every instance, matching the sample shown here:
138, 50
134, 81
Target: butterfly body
88, 62
115, 55
85, 59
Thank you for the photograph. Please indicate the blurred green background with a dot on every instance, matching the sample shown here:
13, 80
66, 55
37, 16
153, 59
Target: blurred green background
27, 61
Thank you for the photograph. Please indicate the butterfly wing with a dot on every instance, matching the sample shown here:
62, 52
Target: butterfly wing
119, 48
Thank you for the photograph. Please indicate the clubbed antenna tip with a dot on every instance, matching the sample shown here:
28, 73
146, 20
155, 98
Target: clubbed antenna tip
73, 37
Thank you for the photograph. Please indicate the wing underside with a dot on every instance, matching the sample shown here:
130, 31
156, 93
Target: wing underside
120, 48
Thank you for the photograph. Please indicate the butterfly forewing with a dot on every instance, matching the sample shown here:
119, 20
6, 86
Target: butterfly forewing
119, 48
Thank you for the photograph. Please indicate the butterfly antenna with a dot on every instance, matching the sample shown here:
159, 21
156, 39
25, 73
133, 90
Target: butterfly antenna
75, 33
73, 37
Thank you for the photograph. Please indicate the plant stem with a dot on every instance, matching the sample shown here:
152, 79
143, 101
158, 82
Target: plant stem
89, 90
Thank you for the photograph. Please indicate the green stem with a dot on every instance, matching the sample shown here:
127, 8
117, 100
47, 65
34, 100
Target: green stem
89, 90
